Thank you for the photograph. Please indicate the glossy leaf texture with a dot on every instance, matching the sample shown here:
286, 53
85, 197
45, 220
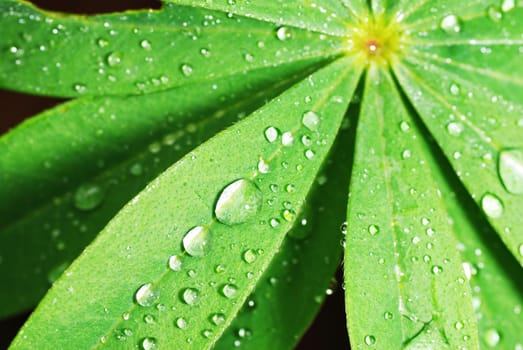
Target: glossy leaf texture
405, 284
178, 272
67, 172
301, 275
142, 51
466, 86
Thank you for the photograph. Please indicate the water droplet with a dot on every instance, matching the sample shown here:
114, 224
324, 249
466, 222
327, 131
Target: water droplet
271, 134
206, 333
521, 249
492, 206
370, 340
283, 33
186, 69
494, 13
80, 88
88, 196
149, 343
239, 202
288, 215
290, 188
451, 24
309, 154
145, 44
249, 256
190, 296
181, 323
136, 169
436, 269
306, 140
175, 263
102, 42
508, 5
55, 272
374, 230
455, 128
229, 290
388, 315
114, 59
404, 126
149, 319
145, 295
454, 89
274, 222
263, 166
510, 167
458, 325
492, 337
217, 319
311, 120
197, 241
287, 138
343, 228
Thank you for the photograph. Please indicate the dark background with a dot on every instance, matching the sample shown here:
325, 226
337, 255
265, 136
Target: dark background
327, 332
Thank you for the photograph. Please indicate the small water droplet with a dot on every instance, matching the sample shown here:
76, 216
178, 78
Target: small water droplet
454, 89
458, 325
271, 134
404, 126
80, 88
288, 215
190, 296
388, 315
306, 140
510, 168
309, 154
175, 263
186, 69
370, 340
455, 128
206, 333
145, 44
145, 295
287, 139
451, 24
436, 269
311, 120
149, 343
238, 203
249, 256
88, 196
217, 319
373, 230
274, 222
149, 319
229, 290
114, 59
181, 323
343, 228
494, 13
492, 206
283, 33
492, 337
263, 166
197, 241
136, 169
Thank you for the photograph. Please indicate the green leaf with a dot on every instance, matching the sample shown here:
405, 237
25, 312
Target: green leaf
480, 133
172, 221
291, 290
405, 284
142, 51
92, 155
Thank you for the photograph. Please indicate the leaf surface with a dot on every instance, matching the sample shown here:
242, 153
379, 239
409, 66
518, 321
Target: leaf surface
91, 156
144, 296
404, 281
141, 51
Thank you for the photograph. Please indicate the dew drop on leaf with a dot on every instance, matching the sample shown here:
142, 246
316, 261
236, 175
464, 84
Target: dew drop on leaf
492, 206
287, 138
145, 44
510, 169
374, 230
451, 24
288, 215
271, 134
249, 256
149, 343
454, 89
239, 202
454, 128
186, 69
114, 59
181, 323
283, 33
229, 290
508, 5
369, 340
217, 319
175, 263
80, 88
494, 13
263, 166
198, 241
311, 120
492, 337
145, 295
436, 269
388, 315
88, 196
521, 249
190, 296
56, 272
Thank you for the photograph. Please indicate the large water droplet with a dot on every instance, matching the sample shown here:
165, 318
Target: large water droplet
451, 24
492, 337
149, 343
175, 263
311, 120
492, 206
510, 167
229, 290
197, 241
263, 166
249, 256
271, 134
190, 296
508, 5
145, 295
283, 33
239, 202
373, 229
181, 323
88, 196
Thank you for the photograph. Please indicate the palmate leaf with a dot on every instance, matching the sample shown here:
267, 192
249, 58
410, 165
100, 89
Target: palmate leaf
412, 251
108, 149
173, 222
